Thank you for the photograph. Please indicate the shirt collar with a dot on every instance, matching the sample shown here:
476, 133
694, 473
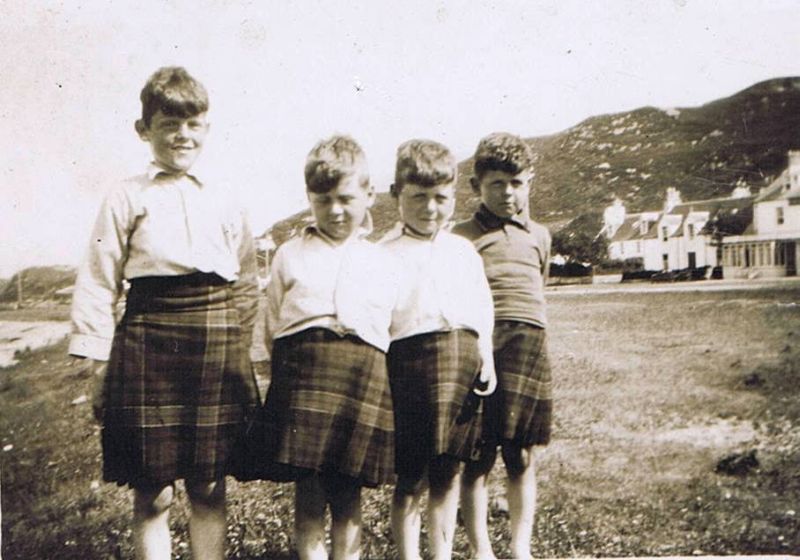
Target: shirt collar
489, 220
155, 171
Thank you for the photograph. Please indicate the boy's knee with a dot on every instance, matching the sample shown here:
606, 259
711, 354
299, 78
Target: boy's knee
517, 458
152, 502
206, 493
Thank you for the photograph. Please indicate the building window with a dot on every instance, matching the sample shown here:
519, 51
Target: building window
779, 252
665, 261
664, 233
779, 216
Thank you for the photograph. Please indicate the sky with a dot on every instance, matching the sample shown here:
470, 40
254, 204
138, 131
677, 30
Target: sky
282, 75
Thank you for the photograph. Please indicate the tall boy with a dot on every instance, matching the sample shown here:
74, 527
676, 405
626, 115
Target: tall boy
441, 331
328, 409
515, 252
173, 383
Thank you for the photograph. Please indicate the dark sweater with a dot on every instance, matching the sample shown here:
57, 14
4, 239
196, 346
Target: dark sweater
515, 253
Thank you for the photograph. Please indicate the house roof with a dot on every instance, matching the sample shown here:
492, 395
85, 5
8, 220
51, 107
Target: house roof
733, 215
778, 189
628, 230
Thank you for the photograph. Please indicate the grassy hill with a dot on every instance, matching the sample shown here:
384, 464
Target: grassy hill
636, 155
38, 282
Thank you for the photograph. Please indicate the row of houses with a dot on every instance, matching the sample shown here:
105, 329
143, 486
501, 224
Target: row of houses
749, 235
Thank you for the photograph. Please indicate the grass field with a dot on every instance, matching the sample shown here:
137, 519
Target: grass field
652, 391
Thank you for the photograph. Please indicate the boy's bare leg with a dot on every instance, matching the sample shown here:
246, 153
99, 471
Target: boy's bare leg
151, 523
345, 499
406, 518
521, 489
309, 518
475, 506
444, 480
207, 520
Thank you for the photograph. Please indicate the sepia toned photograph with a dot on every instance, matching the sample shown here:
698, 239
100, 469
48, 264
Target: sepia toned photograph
469, 280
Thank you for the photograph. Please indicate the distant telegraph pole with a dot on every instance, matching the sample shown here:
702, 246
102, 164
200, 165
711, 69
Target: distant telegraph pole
19, 289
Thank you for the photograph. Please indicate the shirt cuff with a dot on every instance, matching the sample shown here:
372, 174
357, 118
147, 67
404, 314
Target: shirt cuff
88, 346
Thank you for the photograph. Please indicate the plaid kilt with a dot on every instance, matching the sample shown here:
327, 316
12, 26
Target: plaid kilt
179, 385
520, 410
432, 376
328, 409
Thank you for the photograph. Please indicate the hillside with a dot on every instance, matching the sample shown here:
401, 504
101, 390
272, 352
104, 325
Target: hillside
38, 282
636, 155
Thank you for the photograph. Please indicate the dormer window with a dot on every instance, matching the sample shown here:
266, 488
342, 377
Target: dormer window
690, 231
664, 233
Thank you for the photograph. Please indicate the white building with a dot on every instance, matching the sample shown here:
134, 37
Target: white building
750, 236
771, 247
677, 236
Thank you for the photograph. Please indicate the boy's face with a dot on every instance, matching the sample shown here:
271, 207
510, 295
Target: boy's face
426, 209
503, 193
340, 211
175, 141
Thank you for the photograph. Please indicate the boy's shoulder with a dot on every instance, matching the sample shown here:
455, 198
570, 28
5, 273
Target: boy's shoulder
538, 230
456, 241
127, 188
469, 229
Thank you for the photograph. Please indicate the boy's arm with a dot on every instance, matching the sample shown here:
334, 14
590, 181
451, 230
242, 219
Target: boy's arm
245, 288
274, 291
99, 283
485, 315
548, 241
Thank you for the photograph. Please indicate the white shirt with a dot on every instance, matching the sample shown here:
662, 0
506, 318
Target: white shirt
349, 288
157, 224
443, 287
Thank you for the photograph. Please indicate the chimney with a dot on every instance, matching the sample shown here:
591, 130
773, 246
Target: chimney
741, 191
613, 217
794, 169
672, 200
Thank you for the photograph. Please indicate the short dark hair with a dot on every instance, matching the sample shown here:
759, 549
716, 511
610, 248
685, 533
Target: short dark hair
333, 159
425, 163
174, 92
501, 151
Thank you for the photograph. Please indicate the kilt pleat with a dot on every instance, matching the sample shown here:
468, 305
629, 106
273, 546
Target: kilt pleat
520, 410
179, 387
328, 409
432, 376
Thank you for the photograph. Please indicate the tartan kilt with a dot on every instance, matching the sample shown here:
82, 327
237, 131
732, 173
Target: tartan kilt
179, 385
328, 410
432, 376
520, 410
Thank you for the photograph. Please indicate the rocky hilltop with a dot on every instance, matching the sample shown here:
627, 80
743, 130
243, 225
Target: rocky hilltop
636, 155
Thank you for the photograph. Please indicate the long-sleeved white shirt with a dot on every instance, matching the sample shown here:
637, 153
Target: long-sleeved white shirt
349, 288
442, 287
157, 224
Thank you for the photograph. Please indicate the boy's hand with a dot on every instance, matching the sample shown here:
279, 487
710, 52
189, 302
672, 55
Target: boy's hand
98, 370
487, 382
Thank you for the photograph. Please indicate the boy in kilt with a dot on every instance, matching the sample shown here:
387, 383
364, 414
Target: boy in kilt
516, 253
173, 380
441, 347
328, 411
